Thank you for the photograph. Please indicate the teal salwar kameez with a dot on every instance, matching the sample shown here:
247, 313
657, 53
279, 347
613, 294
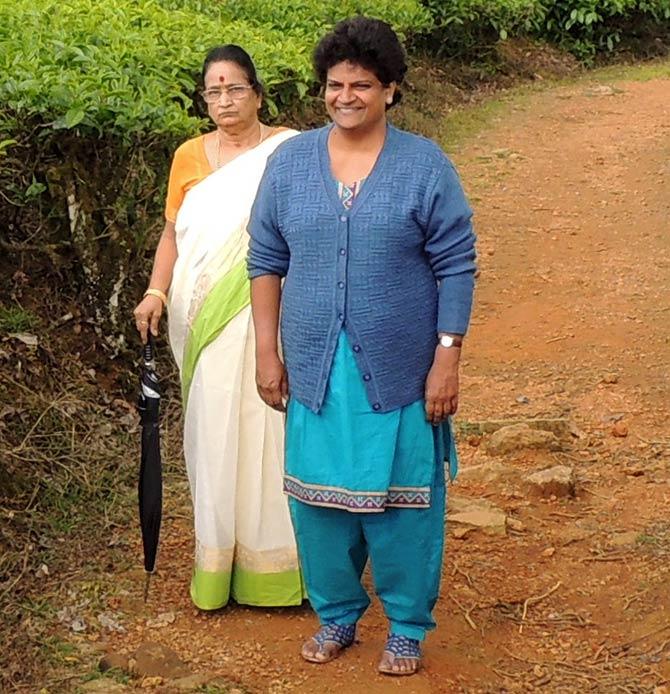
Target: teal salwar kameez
364, 485
367, 485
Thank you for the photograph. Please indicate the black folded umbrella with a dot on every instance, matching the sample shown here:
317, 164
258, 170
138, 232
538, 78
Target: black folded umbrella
150, 487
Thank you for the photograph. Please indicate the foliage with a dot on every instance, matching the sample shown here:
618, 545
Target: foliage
313, 17
587, 27
584, 27
95, 98
464, 26
124, 68
128, 68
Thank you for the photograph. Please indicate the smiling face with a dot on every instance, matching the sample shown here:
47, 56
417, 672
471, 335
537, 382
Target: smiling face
355, 98
229, 112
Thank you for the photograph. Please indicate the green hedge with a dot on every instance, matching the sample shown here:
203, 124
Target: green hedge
127, 67
95, 97
584, 27
124, 68
587, 27
466, 24
309, 17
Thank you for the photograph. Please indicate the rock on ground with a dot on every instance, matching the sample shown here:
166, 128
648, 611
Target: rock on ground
556, 481
625, 539
487, 473
520, 436
556, 425
465, 514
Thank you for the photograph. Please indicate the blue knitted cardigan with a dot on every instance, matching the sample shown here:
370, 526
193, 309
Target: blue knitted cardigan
393, 271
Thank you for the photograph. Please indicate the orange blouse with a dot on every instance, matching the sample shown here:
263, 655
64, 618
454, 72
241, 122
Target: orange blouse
189, 167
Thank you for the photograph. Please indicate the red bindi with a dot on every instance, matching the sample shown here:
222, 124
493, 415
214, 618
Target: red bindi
222, 79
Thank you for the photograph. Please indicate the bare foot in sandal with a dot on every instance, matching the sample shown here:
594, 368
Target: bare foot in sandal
328, 643
402, 656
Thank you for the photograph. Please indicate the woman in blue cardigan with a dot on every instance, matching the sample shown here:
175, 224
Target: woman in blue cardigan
371, 232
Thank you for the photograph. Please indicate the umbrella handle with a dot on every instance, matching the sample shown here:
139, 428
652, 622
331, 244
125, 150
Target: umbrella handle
148, 349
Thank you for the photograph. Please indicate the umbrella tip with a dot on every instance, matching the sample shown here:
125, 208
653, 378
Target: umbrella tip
147, 580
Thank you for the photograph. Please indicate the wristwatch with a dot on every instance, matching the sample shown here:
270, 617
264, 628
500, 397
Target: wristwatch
451, 340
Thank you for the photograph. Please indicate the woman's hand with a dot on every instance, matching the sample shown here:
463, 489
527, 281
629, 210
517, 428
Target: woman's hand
442, 385
272, 380
147, 316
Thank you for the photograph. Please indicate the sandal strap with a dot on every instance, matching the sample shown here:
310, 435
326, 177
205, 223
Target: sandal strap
341, 634
403, 647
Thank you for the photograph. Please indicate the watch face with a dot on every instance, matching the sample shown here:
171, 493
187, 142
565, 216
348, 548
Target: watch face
446, 341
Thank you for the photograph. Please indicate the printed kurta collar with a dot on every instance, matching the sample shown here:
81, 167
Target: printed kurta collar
371, 180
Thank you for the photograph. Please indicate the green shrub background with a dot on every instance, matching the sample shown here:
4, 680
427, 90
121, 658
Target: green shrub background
95, 97
583, 27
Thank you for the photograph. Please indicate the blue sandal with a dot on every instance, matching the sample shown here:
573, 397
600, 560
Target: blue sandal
342, 635
400, 647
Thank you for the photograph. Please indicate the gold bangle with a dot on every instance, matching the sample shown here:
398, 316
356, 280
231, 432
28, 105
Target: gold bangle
157, 292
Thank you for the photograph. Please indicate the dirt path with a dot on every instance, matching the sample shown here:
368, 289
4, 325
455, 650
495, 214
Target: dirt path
572, 195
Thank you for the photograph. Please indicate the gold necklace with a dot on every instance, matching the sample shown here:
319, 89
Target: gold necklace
219, 144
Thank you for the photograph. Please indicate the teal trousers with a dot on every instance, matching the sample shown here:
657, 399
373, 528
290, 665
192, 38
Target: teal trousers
405, 549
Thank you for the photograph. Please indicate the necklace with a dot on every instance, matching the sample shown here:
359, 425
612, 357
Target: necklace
219, 144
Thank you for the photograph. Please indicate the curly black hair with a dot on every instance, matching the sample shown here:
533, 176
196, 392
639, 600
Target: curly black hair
367, 42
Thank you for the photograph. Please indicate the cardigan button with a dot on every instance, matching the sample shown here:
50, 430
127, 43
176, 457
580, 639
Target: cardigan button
343, 251
340, 285
367, 377
376, 406
357, 348
343, 218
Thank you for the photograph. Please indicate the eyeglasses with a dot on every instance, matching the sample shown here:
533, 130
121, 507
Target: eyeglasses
236, 92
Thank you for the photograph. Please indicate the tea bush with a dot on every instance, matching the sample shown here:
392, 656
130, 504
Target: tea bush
584, 27
96, 96
312, 17
466, 26
587, 27
124, 68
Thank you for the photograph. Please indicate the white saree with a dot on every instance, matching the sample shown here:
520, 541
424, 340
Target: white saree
233, 442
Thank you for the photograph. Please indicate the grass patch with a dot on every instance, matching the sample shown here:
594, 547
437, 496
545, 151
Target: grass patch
464, 124
637, 73
14, 319
112, 675
58, 652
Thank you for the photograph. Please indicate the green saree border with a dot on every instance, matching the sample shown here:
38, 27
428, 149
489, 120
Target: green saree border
227, 298
267, 590
211, 590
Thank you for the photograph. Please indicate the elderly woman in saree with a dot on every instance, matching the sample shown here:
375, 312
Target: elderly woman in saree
370, 229
233, 443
